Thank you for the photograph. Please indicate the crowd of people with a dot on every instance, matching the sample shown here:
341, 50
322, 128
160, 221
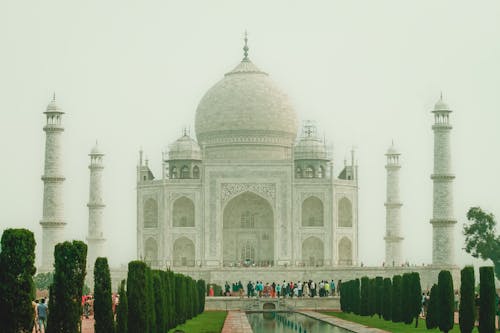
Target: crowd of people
284, 289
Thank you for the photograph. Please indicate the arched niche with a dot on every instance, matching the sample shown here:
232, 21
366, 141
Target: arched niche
345, 213
345, 252
313, 252
183, 212
150, 213
184, 252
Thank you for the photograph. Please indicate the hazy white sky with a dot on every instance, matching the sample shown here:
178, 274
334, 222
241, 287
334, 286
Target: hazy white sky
131, 73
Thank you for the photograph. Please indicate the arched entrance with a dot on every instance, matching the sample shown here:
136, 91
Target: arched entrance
248, 231
151, 252
313, 252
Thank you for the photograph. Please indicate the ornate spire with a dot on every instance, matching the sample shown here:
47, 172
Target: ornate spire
54, 96
245, 48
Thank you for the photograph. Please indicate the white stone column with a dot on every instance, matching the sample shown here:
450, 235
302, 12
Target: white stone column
52, 221
393, 238
443, 221
96, 206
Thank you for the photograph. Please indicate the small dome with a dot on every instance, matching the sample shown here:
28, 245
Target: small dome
184, 148
53, 107
441, 105
309, 146
95, 150
246, 107
393, 150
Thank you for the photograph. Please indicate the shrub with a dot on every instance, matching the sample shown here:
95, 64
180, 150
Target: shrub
406, 313
17, 262
467, 304
387, 299
364, 294
415, 297
159, 299
103, 307
201, 294
379, 290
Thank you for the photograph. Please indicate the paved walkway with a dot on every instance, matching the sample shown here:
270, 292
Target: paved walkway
236, 322
348, 325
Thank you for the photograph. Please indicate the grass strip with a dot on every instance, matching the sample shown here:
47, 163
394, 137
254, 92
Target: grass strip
206, 322
389, 326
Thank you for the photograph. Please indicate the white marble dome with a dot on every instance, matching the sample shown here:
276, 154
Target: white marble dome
184, 148
246, 107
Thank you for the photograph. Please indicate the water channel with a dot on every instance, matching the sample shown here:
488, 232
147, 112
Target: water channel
289, 322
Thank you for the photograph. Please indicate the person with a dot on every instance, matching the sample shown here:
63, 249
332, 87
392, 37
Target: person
456, 298
211, 291
278, 290
305, 289
34, 304
332, 287
42, 311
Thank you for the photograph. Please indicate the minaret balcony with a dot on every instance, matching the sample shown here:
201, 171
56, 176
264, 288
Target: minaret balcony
444, 177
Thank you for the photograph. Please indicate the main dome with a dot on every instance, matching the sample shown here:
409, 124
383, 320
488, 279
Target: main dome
245, 107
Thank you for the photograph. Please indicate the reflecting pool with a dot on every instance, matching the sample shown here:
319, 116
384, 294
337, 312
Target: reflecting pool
288, 322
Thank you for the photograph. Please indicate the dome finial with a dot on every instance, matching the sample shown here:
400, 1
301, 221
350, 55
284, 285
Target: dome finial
54, 96
245, 48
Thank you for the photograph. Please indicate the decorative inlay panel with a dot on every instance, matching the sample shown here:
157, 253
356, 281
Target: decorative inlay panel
230, 190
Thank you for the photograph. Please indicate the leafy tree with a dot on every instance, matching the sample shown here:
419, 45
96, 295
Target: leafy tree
487, 302
431, 317
387, 299
70, 260
137, 297
122, 310
446, 304
365, 288
379, 291
415, 296
481, 240
467, 306
103, 307
396, 299
17, 262
43, 280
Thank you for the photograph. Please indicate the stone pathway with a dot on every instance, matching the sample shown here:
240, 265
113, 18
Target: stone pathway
236, 322
354, 327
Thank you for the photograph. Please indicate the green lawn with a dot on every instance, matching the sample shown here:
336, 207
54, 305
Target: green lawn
207, 322
389, 325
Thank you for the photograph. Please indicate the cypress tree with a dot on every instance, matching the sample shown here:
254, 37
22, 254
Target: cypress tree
387, 300
431, 317
467, 304
487, 302
379, 290
150, 302
196, 298
159, 299
17, 267
396, 299
415, 297
406, 313
172, 301
372, 297
180, 299
137, 297
355, 296
122, 310
446, 307
103, 307
201, 295
365, 288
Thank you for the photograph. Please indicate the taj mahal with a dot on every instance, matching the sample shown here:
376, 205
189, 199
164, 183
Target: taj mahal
253, 193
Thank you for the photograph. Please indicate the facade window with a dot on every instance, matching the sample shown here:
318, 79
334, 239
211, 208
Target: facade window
321, 172
298, 173
174, 173
308, 172
184, 172
196, 172
248, 251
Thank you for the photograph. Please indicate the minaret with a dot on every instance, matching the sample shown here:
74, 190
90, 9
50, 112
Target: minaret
443, 221
96, 206
393, 205
52, 221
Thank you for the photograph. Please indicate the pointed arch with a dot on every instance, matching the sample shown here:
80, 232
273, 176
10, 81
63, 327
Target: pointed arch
184, 252
312, 212
196, 172
150, 213
345, 213
313, 252
345, 251
183, 212
185, 172
151, 251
